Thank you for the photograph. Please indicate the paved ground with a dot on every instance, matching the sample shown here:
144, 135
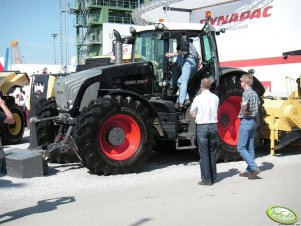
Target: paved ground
165, 193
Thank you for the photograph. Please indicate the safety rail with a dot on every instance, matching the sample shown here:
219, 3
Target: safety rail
122, 20
126, 4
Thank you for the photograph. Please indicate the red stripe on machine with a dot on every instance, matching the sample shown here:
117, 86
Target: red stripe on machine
262, 61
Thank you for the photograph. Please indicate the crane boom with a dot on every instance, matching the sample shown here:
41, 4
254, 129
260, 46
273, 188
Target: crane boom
16, 56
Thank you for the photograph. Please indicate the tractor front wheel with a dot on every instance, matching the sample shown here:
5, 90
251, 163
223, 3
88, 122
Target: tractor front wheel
115, 135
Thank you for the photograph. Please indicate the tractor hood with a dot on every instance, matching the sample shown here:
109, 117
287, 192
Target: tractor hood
79, 89
67, 88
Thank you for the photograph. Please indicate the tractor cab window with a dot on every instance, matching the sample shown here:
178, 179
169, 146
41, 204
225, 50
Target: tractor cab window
208, 49
148, 47
174, 43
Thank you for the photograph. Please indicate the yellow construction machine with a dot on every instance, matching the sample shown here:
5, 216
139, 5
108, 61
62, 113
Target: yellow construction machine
45, 84
12, 134
282, 120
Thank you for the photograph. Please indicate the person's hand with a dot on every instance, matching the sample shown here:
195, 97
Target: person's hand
2, 102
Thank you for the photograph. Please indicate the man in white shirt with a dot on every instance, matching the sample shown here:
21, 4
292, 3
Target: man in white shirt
204, 109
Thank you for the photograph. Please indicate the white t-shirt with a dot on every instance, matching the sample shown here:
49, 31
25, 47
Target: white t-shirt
205, 105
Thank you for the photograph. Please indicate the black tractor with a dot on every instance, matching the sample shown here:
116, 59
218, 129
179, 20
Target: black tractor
112, 117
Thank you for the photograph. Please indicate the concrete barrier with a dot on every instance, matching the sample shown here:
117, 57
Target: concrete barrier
22, 163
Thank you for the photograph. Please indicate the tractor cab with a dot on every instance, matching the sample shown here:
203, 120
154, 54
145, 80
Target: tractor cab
151, 43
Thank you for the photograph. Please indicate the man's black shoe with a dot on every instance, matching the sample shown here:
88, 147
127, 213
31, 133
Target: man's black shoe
205, 183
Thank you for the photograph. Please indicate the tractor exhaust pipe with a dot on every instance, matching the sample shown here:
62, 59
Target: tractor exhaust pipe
117, 47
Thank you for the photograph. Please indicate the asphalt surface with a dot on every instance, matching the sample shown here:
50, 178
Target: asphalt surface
166, 192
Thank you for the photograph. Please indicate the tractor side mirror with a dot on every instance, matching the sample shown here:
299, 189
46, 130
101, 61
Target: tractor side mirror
219, 31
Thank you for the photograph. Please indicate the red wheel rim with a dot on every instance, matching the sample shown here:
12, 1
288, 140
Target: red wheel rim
131, 141
228, 122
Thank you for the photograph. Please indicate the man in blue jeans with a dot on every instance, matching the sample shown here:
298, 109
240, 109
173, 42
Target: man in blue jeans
248, 124
191, 58
177, 70
204, 109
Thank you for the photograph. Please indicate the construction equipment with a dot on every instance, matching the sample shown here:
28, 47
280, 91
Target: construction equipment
283, 118
110, 117
44, 83
12, 134
16, 52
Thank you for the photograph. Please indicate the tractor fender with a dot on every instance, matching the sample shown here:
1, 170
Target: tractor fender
143, 100
229, 71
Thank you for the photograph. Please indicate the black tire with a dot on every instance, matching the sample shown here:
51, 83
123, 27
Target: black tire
12, 134
47, 131
129, 121
230, 95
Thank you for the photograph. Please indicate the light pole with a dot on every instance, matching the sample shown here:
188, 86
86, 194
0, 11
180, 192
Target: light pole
54, 36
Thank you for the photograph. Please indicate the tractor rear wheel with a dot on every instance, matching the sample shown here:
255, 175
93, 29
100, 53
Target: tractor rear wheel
47, 131
12, 134
228, 122
115, 135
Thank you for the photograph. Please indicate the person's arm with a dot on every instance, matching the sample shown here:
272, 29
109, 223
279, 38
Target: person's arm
193, 114
244, 106
193, 110
171, 54
9, 116
175, 54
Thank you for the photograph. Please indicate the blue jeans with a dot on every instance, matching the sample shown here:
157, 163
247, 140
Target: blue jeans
245, 146
206, 137
188, 69
176, 73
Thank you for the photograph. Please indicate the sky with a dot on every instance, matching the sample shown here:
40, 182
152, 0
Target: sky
31, 23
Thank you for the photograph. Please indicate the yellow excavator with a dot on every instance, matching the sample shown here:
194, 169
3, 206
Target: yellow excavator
12, 134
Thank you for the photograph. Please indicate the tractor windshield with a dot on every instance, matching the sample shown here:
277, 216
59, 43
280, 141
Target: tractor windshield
149, 47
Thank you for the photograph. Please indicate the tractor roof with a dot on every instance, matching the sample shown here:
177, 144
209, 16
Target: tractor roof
171, 27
